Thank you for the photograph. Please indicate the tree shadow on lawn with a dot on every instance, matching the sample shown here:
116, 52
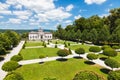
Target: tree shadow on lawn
1, 58
77, 57
103, 58
105, 70
41, 62
62, 59
89, 62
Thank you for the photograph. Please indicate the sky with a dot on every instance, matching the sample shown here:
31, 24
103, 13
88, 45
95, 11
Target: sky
47, 14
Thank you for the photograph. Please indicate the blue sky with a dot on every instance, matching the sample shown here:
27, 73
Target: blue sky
47, 14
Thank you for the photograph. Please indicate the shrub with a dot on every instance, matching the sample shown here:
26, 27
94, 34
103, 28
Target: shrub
92, 56
112, 63
110, 52
10, 66
13, 76
16, 58
87, 75
55, 46
68, 44
65, 45
70, 52
105, 47
41, 56
23, 47
56, 42
115, 47
45, 45
80, 51
2, 50
94, 49
114, 75
63, 52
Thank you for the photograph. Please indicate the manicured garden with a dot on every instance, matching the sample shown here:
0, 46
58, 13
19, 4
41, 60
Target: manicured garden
34, 53
65, 70
62, 42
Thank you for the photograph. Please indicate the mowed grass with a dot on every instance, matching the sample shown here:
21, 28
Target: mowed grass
61, 70
62, 42
33, 43
86, 47
34, 53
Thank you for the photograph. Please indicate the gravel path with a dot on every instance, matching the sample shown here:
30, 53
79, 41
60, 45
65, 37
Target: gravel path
15, 51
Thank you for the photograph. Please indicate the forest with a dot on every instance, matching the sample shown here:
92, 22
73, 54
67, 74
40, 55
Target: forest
95, 29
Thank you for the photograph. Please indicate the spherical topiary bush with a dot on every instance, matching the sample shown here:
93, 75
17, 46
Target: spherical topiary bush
94, 49
55, 45
105, 46
41, 56
13, 76
63, 52
16, 58
92, 56
112, 63
80, 51
115, 47
114, 75
110, 52
70, 52
87, 75
10, 66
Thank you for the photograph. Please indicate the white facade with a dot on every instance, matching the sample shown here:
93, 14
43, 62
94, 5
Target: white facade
40, 35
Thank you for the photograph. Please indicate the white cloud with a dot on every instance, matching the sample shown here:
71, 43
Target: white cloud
68, 21
4, 6
5, 12
14, 21
77, 17
104, 15
69, 7
94, 1
110, 4
1, 17
18, 6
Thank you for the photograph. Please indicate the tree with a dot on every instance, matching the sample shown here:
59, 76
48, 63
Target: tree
63, 52
112, 63
92, 56
114, 75
110, 52
2, 50
10, 66
80, 51
13, 76
94, 49
87, 75
78, 35
84, 36
93, 35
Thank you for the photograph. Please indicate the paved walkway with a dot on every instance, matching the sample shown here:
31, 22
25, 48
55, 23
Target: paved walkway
97, 61
15, 51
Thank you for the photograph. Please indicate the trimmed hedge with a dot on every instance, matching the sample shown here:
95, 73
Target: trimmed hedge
13, 76
10, 66
87, 75
16, 58
92, 56
63, 52
105, 47
80, 51
114, 75
112, 63
115, 47
41, 56
110, 52
94, 49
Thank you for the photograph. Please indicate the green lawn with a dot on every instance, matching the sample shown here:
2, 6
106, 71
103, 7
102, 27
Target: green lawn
62, 41
36, 52
86, 47
61, 70
33, 43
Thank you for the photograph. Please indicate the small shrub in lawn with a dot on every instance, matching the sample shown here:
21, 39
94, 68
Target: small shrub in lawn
10, 66
13, 76
41, 56
65, 45
23, 47
68, 44
80, 51
94, 49
16, 58
70, 52
45, 45
115, 47
112, 63
114, 75
55, 46
105, 46
92, 56
87, 75
63, 52
56, 42
110, 52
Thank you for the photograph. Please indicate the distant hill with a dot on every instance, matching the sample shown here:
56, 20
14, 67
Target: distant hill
24, 31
